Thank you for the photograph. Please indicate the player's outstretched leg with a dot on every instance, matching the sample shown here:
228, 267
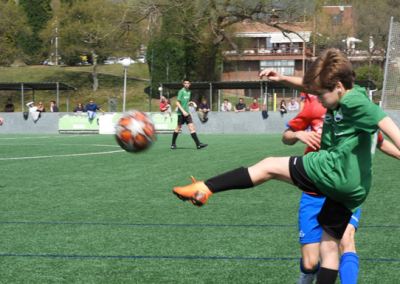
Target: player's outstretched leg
240, 178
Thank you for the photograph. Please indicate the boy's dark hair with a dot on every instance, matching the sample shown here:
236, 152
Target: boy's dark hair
226, 100
187, 79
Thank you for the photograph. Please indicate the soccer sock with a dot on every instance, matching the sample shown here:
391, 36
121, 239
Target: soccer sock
174, 136
237, 179
194, 136
315, 271
348, 269
326, 276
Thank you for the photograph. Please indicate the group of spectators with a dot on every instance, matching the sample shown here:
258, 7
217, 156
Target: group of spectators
90, 107
292, 106
240, 106
41, 108
226, 106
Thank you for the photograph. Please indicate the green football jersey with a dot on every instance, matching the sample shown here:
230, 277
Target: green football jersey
184, 98
342, 169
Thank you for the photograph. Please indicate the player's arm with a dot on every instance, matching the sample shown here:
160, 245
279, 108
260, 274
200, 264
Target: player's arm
289, 81
310, 138
178, 104
391, 130
389, 149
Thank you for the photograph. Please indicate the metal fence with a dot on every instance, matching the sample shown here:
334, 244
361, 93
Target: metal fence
391, 80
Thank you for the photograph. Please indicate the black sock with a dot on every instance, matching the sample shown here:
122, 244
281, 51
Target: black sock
237, 179
174, 136
326, 276
194, 136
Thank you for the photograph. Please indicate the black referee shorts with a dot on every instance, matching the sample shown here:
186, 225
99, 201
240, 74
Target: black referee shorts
184, 119
334, 216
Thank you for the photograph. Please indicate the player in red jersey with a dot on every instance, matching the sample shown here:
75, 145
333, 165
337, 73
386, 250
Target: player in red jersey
306, 99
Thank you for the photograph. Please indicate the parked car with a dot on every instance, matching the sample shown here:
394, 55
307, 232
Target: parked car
122, 58
48, 63
141, 59
81, 63
111, 60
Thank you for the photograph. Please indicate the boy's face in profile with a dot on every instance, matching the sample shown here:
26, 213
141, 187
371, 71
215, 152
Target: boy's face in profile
329, 99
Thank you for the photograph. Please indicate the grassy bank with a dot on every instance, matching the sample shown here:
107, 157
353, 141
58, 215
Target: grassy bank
81, 78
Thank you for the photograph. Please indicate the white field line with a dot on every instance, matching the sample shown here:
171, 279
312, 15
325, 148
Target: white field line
43, 137
95, 145
59, 156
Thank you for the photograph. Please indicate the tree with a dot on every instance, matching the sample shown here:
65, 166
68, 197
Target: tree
373, 26
38, 13
12, 28
98, 27
206, 27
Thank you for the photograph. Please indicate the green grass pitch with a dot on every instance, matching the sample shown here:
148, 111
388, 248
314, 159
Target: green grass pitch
77, 209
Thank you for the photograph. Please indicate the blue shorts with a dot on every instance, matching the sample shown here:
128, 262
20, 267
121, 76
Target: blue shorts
309, 228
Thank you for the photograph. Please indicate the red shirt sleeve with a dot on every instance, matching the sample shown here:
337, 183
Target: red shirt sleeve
380, 137
302, 121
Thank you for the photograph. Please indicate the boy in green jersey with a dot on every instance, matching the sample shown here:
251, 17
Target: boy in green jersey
341, 170
184, 115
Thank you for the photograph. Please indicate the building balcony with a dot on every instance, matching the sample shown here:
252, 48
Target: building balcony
263, 53
296, 53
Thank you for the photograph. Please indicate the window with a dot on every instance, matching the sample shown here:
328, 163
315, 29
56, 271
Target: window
268, 42
285, 67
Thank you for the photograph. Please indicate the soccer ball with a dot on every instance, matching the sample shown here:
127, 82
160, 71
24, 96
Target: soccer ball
135, 131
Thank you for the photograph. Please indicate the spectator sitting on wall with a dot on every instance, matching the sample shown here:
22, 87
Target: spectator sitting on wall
192, 106
255, 106
31, 106
91, 108
226, 106
241, 106
41, 107
204, 108
293, 105
79, 108
53, 106
9, 107
282, 108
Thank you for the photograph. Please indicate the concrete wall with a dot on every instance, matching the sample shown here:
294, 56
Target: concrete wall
219, 122
242, 122
15, 123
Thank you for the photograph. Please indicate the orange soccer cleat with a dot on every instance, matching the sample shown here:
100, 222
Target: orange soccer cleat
197, 192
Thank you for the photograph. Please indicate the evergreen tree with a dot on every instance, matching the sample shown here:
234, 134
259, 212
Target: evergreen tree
38, 13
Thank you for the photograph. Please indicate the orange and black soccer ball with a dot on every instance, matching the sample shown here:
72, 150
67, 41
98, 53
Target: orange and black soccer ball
135, 131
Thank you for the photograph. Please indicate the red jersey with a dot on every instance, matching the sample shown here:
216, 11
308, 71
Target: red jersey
308, 98
254, 106
311, 116
162, 105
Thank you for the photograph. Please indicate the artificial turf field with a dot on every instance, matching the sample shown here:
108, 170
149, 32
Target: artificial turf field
77, 209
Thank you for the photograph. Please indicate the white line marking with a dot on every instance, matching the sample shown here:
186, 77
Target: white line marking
95, 145
57, 156
44, 137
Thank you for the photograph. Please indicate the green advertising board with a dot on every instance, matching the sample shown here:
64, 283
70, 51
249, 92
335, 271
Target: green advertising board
105, 124
78, 123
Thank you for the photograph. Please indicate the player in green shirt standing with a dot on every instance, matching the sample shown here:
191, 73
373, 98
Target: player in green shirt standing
184, 115
341, 170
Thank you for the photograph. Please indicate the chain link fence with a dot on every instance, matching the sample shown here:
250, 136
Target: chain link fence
391, 81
